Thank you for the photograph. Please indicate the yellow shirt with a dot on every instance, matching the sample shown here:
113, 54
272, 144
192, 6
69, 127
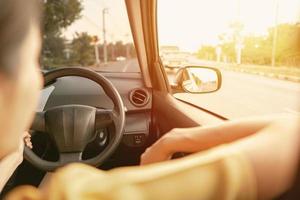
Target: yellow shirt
202, 176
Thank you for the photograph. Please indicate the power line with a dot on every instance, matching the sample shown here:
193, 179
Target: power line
112, 18
92, 22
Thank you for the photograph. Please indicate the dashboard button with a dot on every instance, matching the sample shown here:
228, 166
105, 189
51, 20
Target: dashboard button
134, 140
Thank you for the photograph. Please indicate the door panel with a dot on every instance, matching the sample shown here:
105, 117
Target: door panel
170, 112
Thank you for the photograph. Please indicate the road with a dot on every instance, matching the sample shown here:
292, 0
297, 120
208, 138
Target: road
244, 95
121, 66
241, 94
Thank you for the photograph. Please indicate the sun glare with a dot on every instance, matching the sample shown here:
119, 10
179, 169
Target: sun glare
192, 23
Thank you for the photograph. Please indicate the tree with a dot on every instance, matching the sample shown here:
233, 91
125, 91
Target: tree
117, 49
231, 41
82, 52
53, 51
288, 44
257, 49
207, 52
227, 45
58, 15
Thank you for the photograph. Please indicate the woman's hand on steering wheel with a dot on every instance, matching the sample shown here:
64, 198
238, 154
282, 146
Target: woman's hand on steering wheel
27, 140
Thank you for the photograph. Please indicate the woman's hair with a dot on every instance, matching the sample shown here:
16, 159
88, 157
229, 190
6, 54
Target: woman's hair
16, 18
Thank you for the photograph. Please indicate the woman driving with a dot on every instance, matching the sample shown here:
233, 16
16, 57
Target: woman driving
246, 159
20, 79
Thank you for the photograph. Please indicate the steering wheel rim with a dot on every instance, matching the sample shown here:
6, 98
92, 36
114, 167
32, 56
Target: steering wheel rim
43, 119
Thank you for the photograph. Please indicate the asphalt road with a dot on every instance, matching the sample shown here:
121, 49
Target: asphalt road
121, 66
244, 95
241, 94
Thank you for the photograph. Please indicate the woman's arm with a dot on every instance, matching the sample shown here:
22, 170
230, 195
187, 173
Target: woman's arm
262, 165
272, 147
274, 153
190, 140
9, 163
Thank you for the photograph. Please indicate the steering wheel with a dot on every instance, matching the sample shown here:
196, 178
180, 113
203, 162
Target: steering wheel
72, 127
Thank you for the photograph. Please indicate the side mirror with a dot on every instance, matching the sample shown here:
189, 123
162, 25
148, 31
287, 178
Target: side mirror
196, 79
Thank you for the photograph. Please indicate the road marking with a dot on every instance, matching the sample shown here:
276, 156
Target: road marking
289, 110
126, 66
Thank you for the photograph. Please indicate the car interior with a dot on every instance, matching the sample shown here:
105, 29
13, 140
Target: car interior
107, 119
140, 109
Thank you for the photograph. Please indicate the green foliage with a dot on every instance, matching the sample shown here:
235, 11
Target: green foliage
288, 44
258, 49
207, 52
82, 52
58, 15
53, 51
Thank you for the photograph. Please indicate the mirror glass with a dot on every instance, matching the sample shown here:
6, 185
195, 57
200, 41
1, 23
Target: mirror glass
199, 80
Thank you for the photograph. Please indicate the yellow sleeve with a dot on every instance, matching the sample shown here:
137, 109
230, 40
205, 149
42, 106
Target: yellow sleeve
207, 176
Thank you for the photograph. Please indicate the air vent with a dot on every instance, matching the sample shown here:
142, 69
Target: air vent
139, 97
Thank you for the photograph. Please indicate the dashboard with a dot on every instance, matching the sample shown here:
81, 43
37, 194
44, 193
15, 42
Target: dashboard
137, 100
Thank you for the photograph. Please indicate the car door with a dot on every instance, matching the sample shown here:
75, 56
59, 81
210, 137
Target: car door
168, 111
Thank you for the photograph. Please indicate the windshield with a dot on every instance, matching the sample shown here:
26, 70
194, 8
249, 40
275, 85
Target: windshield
88, 33
254, 43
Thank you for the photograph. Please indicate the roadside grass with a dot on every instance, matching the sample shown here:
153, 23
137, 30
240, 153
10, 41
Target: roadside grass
278, 72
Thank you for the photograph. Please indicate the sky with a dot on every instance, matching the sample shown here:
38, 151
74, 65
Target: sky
117, 23
188, 23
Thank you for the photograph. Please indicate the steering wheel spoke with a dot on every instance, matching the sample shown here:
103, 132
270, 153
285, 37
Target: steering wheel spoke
104, 118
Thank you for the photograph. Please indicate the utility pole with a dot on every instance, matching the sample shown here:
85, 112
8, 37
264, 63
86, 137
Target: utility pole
275, 34
95, 43
104, 11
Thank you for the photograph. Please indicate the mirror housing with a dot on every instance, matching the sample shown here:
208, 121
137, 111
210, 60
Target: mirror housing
197, 80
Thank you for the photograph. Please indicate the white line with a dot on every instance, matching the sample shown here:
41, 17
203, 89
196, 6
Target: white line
289, 110
126, 66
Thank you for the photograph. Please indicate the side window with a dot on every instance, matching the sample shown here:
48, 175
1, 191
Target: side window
255, 44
